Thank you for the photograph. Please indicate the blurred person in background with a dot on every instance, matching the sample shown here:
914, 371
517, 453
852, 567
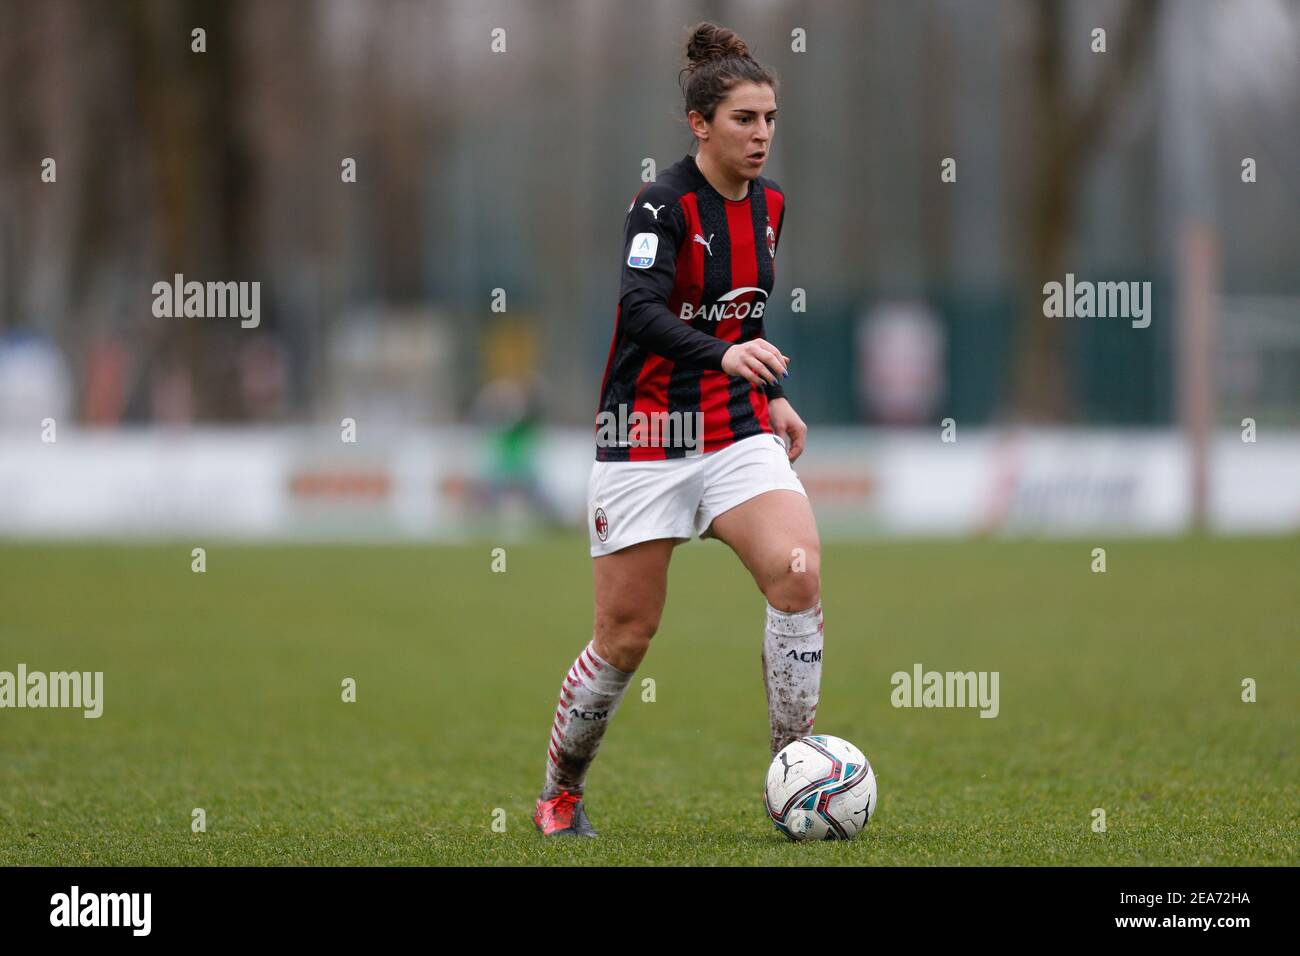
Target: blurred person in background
511, 412
35, 382
900, 355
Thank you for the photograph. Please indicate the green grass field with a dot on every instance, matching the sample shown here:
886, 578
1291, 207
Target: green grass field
222, 691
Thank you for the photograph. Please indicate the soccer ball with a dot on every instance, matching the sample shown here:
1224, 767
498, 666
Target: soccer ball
820, 788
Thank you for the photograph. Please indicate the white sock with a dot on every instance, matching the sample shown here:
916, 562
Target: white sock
588, 698
792, 672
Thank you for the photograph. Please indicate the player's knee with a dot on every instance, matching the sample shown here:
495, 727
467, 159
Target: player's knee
626, 637
797, 588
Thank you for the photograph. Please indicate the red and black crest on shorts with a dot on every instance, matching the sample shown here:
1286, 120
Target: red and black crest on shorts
602, 524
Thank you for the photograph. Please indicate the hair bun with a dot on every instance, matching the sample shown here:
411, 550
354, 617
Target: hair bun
708, 41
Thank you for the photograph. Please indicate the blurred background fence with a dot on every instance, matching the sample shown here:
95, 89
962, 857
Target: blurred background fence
456, 300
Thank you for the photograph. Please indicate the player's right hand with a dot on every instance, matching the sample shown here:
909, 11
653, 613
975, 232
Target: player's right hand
757, 361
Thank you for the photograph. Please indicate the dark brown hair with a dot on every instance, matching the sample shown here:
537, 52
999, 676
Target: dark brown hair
717, 60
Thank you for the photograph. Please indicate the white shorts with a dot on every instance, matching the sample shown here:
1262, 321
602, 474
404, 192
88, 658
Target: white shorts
633, 501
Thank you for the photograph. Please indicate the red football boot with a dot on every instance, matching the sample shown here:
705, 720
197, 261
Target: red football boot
563, 815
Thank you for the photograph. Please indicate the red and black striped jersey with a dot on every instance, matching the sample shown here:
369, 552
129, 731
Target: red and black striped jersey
697, 272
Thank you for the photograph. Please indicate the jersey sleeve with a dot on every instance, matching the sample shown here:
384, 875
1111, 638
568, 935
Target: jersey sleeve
776, 390
652, 235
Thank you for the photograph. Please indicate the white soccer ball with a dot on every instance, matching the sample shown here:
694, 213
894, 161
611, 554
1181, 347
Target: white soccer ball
820, 788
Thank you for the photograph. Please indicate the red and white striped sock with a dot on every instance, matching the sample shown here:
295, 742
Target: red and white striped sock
590, 694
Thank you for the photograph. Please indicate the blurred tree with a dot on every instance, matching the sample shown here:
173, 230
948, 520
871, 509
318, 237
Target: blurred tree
1067, 137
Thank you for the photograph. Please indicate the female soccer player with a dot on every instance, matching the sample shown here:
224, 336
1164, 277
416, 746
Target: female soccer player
689, 357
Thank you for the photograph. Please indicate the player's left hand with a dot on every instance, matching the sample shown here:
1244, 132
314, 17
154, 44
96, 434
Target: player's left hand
788, 426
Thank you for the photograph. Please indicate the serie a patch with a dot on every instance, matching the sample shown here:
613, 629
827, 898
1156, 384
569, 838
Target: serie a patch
641, 254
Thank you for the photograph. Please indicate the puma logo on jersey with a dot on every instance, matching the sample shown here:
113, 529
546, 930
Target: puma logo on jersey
653, 210
700, 240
